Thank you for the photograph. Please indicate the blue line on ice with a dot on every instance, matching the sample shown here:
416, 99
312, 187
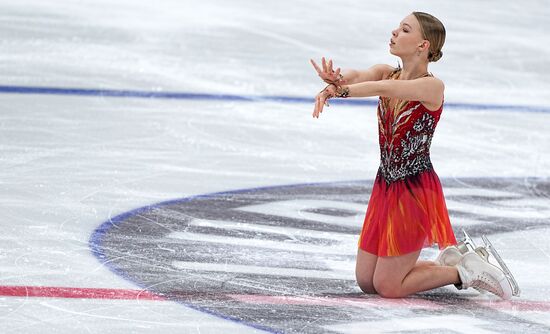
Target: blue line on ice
231, 97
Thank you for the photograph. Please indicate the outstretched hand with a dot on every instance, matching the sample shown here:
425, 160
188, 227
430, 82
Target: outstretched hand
322, 99
334, 80
327, 73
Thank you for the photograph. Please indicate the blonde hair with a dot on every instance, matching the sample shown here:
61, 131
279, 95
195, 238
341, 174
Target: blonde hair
434, 31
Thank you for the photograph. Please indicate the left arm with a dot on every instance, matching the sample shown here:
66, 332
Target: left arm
426, 90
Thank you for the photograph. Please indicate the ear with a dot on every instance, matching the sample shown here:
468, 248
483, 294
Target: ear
425, 45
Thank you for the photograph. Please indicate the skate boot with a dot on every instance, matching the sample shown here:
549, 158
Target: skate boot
451, 255
475, 272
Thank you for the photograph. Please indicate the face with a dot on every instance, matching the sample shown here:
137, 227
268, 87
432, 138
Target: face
407, 38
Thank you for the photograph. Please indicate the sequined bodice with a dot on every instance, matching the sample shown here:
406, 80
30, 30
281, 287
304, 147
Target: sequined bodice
405, 137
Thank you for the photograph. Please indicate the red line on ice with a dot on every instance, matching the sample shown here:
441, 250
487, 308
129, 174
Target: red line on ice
70, 292
519, 305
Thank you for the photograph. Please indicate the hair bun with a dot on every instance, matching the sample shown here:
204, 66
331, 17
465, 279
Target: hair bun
436, 56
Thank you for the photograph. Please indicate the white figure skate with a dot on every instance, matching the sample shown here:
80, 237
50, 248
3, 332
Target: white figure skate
452, 255
475, 272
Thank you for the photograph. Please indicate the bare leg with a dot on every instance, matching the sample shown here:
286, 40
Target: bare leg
364, 270
399, 276
428, 277
423, 263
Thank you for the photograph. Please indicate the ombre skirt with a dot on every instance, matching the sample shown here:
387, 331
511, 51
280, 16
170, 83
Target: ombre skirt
406, 216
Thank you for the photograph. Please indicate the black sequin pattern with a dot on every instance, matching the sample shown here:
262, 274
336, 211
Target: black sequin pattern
405, 142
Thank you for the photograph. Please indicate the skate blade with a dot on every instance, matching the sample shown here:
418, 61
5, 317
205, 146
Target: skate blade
467, 244
507, 273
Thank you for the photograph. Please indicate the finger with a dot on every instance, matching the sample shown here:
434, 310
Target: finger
326, 97
315, 107
330, 70
324, 63
324, 102
316, 112
319, 105
315, 66
337, 73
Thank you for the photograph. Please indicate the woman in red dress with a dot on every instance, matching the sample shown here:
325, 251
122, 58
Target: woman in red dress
406, 211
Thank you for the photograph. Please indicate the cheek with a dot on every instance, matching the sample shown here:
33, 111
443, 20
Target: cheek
408, 41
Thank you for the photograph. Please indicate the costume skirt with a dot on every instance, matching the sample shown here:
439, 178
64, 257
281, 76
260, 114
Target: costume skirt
406, 215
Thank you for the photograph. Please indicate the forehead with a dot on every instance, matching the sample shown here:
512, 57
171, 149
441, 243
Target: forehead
410, 20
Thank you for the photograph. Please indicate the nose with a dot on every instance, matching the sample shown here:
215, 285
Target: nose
394, 32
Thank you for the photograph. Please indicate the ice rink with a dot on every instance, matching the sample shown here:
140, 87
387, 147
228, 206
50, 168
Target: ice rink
162, 173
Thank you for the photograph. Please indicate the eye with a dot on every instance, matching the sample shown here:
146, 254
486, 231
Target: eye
405, 30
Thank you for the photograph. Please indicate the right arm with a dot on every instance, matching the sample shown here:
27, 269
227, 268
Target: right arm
331, 76
374, 73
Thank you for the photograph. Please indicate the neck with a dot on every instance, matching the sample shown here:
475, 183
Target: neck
413, 68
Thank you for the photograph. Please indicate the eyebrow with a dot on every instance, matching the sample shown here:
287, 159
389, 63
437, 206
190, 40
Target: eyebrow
406, 24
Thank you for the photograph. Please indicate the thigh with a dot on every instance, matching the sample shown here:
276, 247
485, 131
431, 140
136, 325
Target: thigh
364, 270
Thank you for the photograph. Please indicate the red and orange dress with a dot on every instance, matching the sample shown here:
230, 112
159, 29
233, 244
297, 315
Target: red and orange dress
406, 211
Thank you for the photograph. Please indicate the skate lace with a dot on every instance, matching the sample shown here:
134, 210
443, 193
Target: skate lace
487, 283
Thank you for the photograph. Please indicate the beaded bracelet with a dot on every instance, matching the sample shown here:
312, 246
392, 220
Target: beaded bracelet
336, 82
342, 92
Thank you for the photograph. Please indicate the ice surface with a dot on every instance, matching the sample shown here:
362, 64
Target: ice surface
70, 163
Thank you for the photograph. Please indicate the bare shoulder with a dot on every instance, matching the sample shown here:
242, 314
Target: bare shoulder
434, 83
433, 92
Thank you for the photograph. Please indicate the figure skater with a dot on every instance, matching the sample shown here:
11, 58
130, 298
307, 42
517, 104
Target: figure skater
407, 211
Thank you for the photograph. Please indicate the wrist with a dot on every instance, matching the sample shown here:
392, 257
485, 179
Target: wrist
342, 91
337, 82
